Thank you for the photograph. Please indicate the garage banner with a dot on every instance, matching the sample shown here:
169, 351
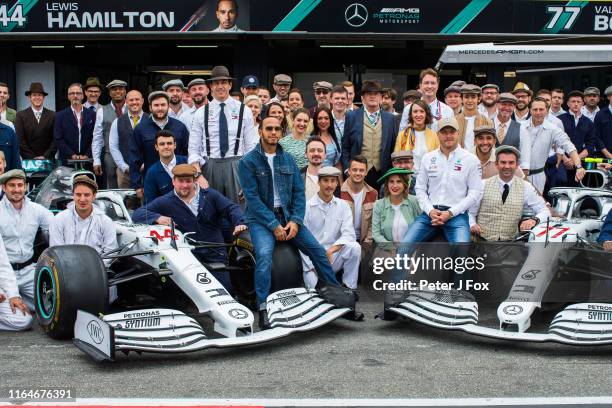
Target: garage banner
309, 16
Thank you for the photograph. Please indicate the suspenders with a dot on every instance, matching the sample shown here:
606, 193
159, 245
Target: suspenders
238, 133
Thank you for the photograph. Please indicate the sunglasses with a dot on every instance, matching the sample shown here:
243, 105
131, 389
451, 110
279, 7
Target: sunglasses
321, 91
273, 128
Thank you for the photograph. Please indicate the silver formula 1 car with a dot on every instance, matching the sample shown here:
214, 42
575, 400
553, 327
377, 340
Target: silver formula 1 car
166, 297
561, 269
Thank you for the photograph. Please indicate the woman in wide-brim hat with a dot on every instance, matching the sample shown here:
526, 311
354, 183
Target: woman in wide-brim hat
394, 213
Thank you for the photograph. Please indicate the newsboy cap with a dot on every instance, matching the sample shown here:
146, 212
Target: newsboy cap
507, 97
480, 130
173, 82
329, 171
282, 79
156, 94
402, 154
116, 83
591, 90
470, 89
197, 81
184, 170
11, 174
84, 179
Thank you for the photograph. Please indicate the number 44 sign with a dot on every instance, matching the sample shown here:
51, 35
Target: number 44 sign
12, 16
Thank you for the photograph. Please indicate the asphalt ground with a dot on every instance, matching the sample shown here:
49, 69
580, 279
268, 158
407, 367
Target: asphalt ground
345, 359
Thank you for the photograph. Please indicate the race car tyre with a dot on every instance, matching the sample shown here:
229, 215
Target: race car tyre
68, 278
287, 269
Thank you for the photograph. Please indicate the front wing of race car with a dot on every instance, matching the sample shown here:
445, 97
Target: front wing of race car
171, 331
577, 324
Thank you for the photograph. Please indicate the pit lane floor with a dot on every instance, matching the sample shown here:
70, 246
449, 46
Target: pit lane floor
345, 359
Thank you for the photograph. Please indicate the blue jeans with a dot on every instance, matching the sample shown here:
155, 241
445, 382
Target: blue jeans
263, 242
455, 230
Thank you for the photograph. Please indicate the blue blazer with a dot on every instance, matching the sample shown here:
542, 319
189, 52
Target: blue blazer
66, 133
582, 136
10, 146
603, 129
206, 225
606, 229
157, 182
142, 146
353, 138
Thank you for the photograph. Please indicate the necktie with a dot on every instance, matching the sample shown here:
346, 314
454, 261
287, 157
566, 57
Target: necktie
502, 132
505, 193
92, 108
38, 115
223, 133
118, 110
134, 121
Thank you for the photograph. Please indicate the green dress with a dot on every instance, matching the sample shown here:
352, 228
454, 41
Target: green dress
296, 148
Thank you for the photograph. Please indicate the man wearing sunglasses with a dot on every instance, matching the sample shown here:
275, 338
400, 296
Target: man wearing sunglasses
275, 206
322, 91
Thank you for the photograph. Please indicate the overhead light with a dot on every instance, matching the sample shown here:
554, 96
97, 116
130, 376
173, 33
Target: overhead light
197, 46
346, 45
480, 75
509, 74
178, 72
47, 46
79, 46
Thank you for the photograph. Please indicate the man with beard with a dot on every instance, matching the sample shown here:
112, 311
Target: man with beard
281, 85
510, 132
428, 86
470, 118
321, 90
103, 160
74, 127
339, 101
122, 132
315, 154
591, 102
195, 210
488, 104
484, 137
198, 90
505, 196
20, 220
360, 196
142, 153
544, 135
220, 136
174, 88
6, 114
523, 97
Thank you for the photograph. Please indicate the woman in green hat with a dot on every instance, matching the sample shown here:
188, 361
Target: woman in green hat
394, 213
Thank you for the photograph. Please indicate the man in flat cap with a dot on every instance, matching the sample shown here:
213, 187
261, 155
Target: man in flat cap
470, 118
104, 164
93, 90
591, 102
281, 85
523, 95
34, 126
486, 141
510, 132
122, 133
174, 88
221, 134
197, 210
82, 222
322, 91
603, 127
403, 159
452, 97
410, 96
505, 195
74, 127
330, 220
142, 146
198, 90
488, 104
20, 220
580, 130
371, 132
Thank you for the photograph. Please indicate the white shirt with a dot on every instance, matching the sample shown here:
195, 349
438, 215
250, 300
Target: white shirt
18, 228
187, 116
484, 112
588, 113
576, 118
420, 147
197, 137
532, 200
438, 110
454, 181
400, 226
177, 115
8, 280
524, 140
37, 111
113, 143
555, 121
358, 202
97, 106
277, 200
560, 112
523, 118
468, 137
97, 231
330, 223
97, 143
168, 167
233, 29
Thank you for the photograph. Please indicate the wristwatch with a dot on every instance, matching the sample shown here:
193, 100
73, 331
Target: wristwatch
579, 166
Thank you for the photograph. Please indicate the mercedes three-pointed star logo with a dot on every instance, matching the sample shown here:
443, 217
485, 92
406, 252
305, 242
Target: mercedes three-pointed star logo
356, 15
513, 310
